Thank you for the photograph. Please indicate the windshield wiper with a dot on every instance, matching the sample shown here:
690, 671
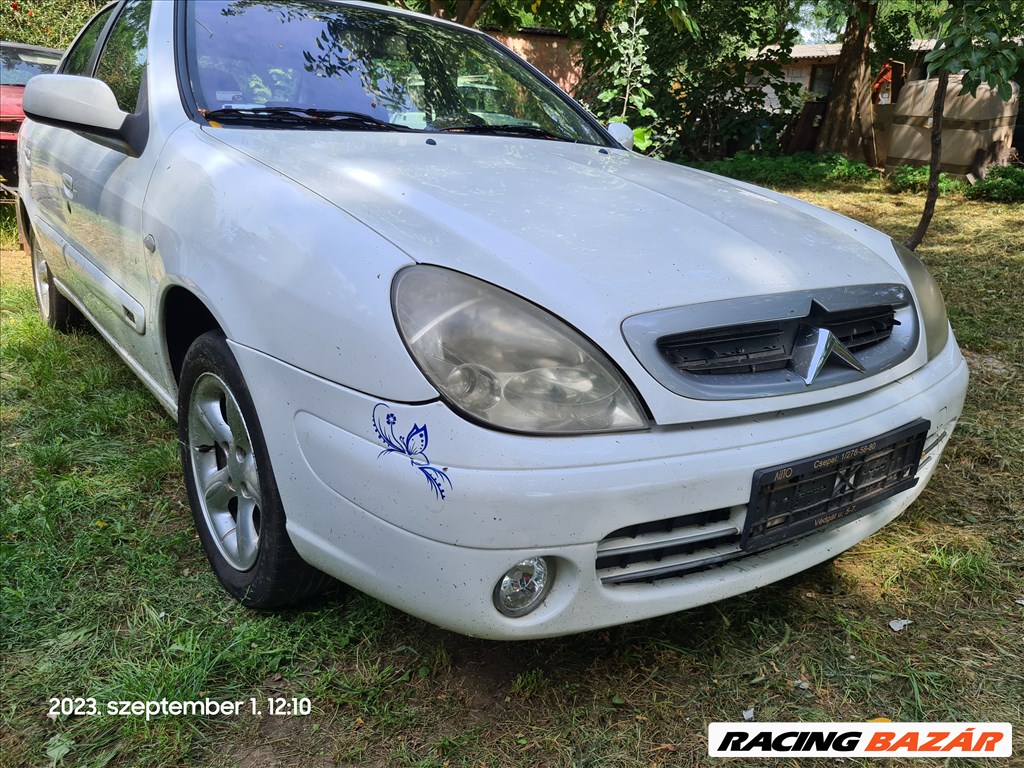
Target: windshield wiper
508, 130
302, 116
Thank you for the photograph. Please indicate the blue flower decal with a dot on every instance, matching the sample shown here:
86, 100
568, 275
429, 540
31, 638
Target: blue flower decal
413, 445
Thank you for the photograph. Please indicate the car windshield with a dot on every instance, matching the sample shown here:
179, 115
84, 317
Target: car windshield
19, 65
301, 63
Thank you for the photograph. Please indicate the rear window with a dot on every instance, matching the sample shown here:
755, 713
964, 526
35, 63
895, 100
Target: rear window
19, 65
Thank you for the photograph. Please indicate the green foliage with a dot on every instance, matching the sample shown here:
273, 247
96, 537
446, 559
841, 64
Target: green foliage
699, 95
620, 72
909, 178
892, 36
790, 171
630, 71
844, 169
51, 23
716, 101
978, 36
1003, 184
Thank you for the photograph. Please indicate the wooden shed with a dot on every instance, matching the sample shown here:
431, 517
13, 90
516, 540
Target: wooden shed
976, 131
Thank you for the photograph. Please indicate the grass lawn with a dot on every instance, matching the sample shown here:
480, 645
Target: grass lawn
106, 593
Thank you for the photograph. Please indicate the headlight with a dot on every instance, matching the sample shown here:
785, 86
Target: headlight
929, 300
506, 362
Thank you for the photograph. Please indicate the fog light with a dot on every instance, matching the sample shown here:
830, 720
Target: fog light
524, 586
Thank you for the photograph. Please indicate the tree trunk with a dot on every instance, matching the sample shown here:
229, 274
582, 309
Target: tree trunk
467, 12
938, 105
842, 130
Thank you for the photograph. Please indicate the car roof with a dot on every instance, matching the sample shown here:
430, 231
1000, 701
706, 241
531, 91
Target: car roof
31, 48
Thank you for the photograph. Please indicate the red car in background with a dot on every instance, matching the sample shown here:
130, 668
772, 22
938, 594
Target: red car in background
18, 63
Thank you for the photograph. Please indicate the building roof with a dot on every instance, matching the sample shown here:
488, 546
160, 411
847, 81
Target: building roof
817, 51
831, 50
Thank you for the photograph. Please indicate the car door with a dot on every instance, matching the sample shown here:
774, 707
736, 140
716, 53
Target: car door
46, 153
105, 184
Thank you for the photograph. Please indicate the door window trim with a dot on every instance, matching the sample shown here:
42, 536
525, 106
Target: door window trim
101, 40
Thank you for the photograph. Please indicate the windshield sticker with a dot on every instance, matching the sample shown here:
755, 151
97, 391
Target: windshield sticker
413, 445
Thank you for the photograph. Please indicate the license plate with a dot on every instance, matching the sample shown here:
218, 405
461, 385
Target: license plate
814, 494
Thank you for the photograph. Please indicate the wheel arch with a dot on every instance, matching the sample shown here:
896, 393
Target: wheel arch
22, 222
184, 318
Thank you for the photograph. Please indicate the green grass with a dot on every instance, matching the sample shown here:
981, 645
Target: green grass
106, 592
8, 226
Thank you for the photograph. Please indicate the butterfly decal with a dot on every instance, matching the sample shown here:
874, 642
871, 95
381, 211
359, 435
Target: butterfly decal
413, 445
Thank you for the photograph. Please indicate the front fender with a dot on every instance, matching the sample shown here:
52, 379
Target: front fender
283, 271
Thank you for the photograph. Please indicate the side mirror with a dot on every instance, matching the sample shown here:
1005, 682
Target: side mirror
77, 103
622, 133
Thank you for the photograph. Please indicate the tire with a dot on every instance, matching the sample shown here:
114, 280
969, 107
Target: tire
235, 502
54, 307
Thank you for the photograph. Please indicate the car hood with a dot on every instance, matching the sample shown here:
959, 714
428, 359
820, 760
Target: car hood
593, 235
565, 224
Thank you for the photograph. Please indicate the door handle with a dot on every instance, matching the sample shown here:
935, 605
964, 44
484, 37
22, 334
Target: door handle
69, 185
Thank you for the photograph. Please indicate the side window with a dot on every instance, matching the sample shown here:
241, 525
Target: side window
124, 56
77, 62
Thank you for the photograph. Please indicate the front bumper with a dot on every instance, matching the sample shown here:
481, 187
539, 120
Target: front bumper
425, 511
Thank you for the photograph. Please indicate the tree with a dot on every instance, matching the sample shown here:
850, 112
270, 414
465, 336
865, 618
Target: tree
617, 67
976, 37
686, 93
843, 128
710, 91
875, 30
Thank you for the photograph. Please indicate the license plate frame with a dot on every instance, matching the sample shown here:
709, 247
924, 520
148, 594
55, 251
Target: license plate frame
791, 500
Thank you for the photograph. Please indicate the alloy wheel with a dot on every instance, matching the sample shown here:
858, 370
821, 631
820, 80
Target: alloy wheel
224, 465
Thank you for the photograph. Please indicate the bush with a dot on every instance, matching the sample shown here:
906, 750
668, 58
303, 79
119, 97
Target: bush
909, 178
51, 23
844, 169
1003, 184
797, 170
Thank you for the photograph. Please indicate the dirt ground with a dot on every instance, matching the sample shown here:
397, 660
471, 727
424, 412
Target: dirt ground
15, 266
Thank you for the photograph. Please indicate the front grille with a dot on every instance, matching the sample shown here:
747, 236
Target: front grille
862, 328
760, 346
747, 349
674, 547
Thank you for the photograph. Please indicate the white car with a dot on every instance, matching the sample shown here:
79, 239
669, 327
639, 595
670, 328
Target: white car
516, 380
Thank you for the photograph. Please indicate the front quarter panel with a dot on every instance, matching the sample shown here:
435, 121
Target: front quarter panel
282, 270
